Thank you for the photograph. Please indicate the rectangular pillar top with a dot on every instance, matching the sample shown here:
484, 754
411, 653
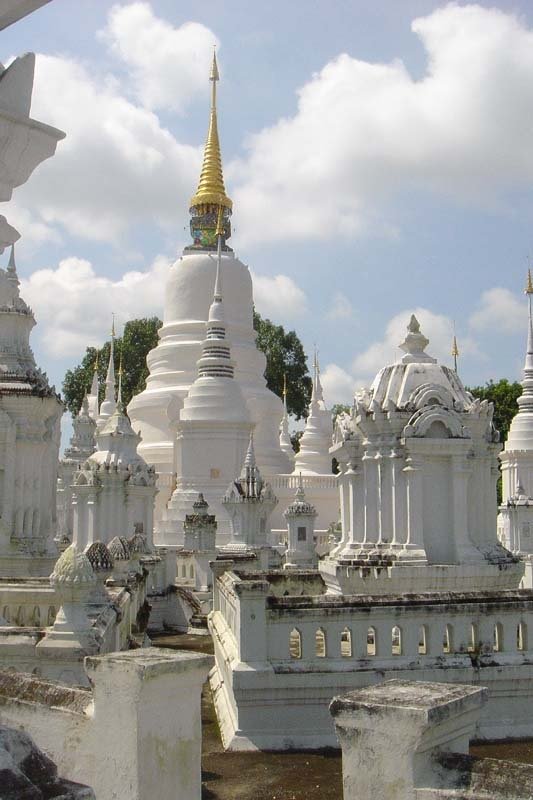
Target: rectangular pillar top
432, 700
149, 662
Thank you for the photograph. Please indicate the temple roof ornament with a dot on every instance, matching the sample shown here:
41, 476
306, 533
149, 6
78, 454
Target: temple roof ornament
72, 567
415, 344
211, 197
109, 403
211, 189
300, 506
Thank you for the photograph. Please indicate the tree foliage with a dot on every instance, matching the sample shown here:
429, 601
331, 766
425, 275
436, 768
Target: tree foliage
139, 337
285, 355
283, 350
504, 395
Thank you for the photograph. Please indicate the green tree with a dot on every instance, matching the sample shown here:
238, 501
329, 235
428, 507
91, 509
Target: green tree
285, 356
504, 395
339, 408
139, 337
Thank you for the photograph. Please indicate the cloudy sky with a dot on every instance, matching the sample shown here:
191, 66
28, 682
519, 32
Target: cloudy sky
379, 155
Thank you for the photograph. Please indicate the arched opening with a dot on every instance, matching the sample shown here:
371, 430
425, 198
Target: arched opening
447, 642
497, 642
521, 636
5, 613
36, 616
422, 641
371, 643
183, 570
52, 614
437, 430
346, 643
295, 643
396, 636
191, 571
473, 640
320, 643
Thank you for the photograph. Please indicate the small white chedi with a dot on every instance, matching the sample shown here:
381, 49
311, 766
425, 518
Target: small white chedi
155, 412
114, 489
515, 520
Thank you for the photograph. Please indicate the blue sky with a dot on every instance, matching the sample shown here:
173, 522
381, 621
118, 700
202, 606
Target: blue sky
379, 154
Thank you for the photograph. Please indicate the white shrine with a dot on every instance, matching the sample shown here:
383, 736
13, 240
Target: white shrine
155, 412
114, 489
515, 519
30, 414
419, 588
82, 445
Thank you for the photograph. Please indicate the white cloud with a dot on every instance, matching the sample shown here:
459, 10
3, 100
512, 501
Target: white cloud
118, 167
363, 132
73, 304
338, 385
169, 66
340, 307
278, 297
501, 310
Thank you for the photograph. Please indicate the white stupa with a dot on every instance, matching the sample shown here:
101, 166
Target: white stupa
214, 424
109, 403
515, 518
173, 363
313, 458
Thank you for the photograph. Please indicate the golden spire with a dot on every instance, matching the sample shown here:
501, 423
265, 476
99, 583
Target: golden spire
113, 325
529, 286
211, 189
284, 385
455, 349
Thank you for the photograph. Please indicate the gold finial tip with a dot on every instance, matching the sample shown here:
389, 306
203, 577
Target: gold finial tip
529, 286
455, 349
214, 74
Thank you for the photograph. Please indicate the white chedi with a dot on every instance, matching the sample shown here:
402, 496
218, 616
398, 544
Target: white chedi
82, 445
515, 519
214, 424
173, 363
249, 502
114, 489
300, 517
313, 458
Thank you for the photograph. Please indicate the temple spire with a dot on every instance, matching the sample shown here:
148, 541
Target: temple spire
455, 352
109, 403
211, 189
211, 207
284, 435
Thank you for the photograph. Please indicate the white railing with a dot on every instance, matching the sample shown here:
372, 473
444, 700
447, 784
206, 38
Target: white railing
309, 482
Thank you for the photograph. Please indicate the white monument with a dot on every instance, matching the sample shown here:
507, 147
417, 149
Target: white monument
30, 414
172, 364
515, 520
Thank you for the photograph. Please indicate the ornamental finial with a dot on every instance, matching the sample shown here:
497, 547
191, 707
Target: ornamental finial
211, 190
529, 285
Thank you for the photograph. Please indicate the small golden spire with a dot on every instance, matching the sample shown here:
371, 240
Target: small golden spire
211, 189
113, 325
96, 362
284, 385
455, 349
529, 286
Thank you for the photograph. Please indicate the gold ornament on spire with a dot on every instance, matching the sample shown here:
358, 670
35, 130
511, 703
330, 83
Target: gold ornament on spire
113, 325
211, 189
284, 385
529, 285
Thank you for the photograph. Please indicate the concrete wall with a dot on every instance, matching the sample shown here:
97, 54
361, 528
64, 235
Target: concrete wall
136, 735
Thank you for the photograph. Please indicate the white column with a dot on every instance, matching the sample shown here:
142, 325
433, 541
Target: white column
371, 499
460, 474
415, 487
